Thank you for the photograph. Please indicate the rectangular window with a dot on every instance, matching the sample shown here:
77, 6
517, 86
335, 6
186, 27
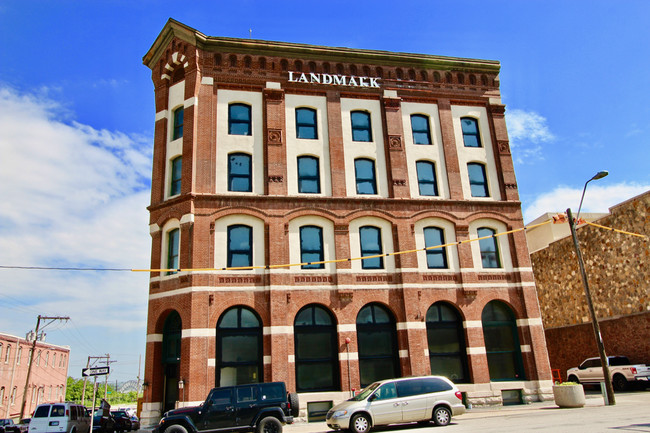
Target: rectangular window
420, 129
239, 172
311, 247
427, 178
239, 119
477, 180
370, 239
172, 250
489, 248
308, 175
306, 126
364, 170
471, 137
436, 257
178, 123
361, 130
240, 246
177, 168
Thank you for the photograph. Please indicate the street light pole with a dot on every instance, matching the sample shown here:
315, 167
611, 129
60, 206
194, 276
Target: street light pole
611, 400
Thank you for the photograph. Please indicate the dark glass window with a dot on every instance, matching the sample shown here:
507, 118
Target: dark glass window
436, 258
239, 172
361, 130
489, 248
306, 126
420, 128
172, 250
471, 137
239, 348
370, 239
447, 350
311, 247
177, 168
502, 342
377, 341
308, 175
316, 350
171, 346
364, 170
427, 178
178, 123
477, 180
240, 246
239, 119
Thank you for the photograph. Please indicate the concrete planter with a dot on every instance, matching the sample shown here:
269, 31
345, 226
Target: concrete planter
569, 395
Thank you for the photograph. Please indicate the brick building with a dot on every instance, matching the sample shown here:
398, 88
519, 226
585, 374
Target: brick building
272, 153
47, 381
618, 268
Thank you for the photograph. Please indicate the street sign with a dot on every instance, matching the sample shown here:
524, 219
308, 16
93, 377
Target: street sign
94, 371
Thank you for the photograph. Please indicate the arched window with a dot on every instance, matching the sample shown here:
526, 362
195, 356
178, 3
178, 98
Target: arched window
240, 246
477, 179
471, 137
306, 126
502, 342
171, 358
377, 341
239, 348
173, 238
420, 129
370, 241
436, 257
316, 349
361, 126
178, 123
311, 247
177, 169
447, 350
239, 172
239, 119
427, 182
308, 175
366, 180
489, 248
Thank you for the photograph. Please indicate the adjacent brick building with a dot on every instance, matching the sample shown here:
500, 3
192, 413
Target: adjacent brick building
272, 153
47, 381
618, 268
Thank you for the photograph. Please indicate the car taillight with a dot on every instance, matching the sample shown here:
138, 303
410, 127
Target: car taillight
459, 395
633, 369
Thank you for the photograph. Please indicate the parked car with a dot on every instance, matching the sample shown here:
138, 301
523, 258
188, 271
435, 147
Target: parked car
135, 423
103, 422
263, 407
24, 425
412, 399
622, 372
60, 418
122, 420
8, 426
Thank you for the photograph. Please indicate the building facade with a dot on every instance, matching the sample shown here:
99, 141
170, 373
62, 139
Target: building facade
618, 268
48, 378
269, 154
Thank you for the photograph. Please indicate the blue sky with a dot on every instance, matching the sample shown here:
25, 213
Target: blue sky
77, 117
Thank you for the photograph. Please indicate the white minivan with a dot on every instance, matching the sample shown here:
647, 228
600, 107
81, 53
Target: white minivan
393, 401
60, 418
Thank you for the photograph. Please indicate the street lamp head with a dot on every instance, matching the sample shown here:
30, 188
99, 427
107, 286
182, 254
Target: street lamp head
600, 175
597, 176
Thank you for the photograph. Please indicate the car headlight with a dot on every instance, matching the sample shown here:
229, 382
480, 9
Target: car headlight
339, 413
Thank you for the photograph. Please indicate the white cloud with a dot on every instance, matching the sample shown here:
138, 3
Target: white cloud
526, 130
597, 199
72, 196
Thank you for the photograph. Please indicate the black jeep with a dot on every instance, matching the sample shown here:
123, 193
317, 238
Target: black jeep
259, 407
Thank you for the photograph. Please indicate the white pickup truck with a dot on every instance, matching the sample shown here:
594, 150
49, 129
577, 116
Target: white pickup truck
621, 371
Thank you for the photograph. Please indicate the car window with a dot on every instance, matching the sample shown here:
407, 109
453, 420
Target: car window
435, 385
220, 397
58, 410
618, 360
406, 388
246, 393
272, 391
42, 411
386, 391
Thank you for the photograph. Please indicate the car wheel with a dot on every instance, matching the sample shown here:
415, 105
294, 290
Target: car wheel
295, 404
360, 424
573, 378
176, 428
441, 415
269, 424
619, 382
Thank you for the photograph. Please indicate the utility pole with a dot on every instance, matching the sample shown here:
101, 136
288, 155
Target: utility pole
31, 356
83, 391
